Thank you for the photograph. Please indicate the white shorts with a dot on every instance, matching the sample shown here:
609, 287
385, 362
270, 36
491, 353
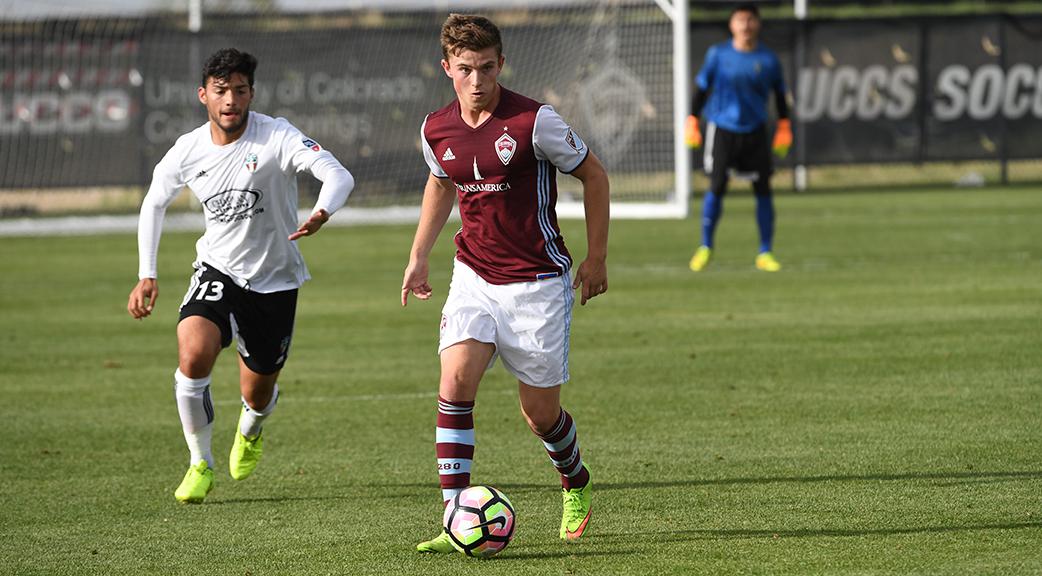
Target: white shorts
529, 323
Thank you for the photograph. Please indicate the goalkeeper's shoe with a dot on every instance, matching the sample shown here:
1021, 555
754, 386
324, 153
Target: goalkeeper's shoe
441, 544
765, 261
576, 515
197, 483
246, 453
701, 258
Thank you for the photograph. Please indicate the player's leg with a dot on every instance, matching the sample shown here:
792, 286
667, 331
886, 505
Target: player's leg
760, 154
556, 428
260, 393
534, 348
265, 330
466, 350
462, 366
199, 343
716, 160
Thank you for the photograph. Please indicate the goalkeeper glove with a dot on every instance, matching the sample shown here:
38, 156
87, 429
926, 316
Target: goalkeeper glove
782, 138
692, 137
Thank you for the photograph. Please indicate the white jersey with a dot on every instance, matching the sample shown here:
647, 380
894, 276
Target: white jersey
248, 192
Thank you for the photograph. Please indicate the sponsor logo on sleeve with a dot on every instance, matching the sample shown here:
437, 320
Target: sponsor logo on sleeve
311, 144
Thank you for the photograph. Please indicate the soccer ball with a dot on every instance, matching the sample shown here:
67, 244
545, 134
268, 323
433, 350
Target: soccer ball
479, 521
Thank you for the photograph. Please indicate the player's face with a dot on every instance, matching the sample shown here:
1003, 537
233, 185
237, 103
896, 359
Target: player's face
745, 28
474, 77
227, 102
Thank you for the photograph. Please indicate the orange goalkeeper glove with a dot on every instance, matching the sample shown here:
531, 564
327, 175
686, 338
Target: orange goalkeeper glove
692, 137
782, 138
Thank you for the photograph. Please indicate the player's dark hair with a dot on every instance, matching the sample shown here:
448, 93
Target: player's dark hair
469, 32
227, 61
746, 7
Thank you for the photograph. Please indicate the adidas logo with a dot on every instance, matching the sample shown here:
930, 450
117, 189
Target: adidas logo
201, 174
448, 155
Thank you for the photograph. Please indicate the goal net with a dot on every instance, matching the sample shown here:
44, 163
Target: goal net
93, 100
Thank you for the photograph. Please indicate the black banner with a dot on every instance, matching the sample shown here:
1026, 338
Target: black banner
97, 103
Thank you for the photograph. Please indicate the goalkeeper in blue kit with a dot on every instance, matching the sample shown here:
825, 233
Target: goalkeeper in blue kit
731, 92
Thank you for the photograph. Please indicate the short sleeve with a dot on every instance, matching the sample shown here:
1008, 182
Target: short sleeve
554, 140
428, 153
705, 76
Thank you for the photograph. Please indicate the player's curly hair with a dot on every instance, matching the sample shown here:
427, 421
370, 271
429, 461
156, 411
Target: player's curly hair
227, 61
469, 32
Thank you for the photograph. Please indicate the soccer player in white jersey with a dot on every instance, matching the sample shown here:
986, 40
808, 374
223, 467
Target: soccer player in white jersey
511, 294
242, 166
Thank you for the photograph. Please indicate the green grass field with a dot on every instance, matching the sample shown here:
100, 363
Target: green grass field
874, 408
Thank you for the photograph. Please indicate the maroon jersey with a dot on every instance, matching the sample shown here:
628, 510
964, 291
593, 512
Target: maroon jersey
505, 176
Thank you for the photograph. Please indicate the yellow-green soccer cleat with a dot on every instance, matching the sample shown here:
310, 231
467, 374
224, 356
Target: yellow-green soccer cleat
441, 544
577, 511
700, 259
246, 453
197, 483
765, 261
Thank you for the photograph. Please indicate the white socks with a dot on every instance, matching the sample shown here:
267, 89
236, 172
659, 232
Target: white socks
196, 411
251, 420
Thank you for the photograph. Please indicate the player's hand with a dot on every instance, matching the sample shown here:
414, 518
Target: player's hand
592, 276
143, 298
415, 281
692, 137
312, 224
782, 138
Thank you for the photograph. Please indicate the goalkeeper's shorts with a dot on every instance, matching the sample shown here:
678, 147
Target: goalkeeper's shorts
747, 154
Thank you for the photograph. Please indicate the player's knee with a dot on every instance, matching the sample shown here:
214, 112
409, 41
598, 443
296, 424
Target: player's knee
541, 419
195, 361
762, 187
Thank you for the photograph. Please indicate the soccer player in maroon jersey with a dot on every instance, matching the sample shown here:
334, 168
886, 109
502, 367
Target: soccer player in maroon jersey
511, 294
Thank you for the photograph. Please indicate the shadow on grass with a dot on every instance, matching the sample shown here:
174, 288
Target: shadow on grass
979, 477
951, 478
398, 490
693, 535
573, 552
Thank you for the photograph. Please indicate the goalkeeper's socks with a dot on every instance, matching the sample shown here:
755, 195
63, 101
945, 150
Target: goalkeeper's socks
562, 444
455, 446
252, 419
712, 208
765, 220
196, 411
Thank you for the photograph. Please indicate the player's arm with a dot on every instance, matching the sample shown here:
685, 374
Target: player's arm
783, 131
298, 153
438, 197
337, 184
592, 274
164, 188
692, 135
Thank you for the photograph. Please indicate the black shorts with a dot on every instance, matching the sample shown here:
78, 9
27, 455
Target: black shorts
262, 323
748, 154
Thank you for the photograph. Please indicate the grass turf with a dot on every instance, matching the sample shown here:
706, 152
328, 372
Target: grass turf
874, 408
